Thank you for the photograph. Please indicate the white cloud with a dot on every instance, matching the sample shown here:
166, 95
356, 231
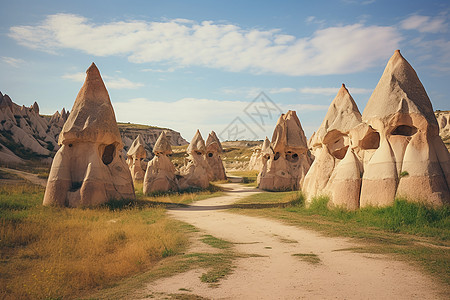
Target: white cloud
425, 24
332, 90
282, 90
189, 114
111, 82
332, 50
77, 77
14, 62
118, 83
168, 70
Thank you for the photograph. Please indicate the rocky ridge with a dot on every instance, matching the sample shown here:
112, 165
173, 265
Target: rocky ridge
25, 134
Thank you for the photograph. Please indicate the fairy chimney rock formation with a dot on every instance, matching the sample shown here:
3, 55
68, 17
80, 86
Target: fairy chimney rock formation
411, 160
289, 159
160, 173
333, 157
195, 172
213, 151
266, 152
255, 162
89, 169
135, 159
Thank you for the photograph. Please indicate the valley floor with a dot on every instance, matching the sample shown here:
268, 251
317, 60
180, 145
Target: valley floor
278, 261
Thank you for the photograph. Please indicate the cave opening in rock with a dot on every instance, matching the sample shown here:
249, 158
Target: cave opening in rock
404, 130
108, 154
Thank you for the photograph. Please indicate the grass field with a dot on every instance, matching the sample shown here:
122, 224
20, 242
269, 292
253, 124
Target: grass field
249, 177
55, 253
412, 232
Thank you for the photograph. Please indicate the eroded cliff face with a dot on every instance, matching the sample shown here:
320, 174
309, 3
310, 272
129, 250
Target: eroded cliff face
149, 134
25, 134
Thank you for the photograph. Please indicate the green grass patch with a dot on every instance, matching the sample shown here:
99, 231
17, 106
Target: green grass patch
215, 242
166, 199
291, 197
249, 177
402, 216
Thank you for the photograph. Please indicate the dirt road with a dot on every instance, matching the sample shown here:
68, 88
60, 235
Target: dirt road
33, 178
338, 272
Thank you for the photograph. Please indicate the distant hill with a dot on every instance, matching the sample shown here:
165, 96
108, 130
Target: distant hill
150, 134
26, 135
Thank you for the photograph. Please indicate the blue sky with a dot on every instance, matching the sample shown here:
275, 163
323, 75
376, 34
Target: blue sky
203, 64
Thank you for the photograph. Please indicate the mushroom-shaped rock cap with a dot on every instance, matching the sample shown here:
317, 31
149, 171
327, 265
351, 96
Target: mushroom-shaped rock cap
197, 144
137, 148
288, 134
162, 145
342, 115
399, 91
92, 118
212, 143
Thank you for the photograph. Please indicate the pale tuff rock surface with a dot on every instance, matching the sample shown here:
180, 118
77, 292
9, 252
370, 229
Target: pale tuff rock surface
160, 174
266, 152
257, 159
333, 157
213, 151
23, 131
255, 162
392, 150
411, 160
196, 172
89, 169
136, 156
289, 159
162, 145
443, 119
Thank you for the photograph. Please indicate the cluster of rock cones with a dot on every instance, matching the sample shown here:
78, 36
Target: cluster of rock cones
392, 150
90, 169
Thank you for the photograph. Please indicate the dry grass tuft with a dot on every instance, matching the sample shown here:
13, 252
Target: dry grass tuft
61, 253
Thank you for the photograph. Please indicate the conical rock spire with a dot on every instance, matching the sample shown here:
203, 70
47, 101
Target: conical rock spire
137, 148
399, 90
213, 143
162, 145
92, 116
197, 143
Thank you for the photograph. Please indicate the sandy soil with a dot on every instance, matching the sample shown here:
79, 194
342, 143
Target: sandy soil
340, 274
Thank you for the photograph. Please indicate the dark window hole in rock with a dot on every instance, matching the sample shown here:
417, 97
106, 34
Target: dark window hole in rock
371, 141
404, 130
277, 156
108, 154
